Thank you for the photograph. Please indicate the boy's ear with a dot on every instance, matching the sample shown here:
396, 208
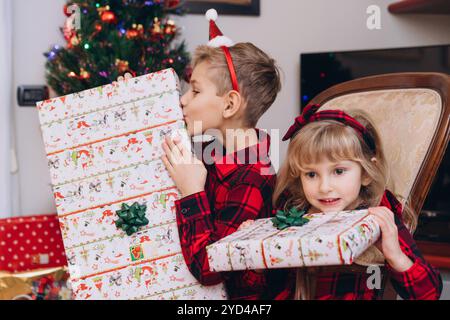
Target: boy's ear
233, 104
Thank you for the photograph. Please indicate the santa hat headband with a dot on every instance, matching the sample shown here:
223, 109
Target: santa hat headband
216, 40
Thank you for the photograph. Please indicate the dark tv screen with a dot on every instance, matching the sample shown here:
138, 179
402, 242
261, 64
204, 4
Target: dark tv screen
320, 71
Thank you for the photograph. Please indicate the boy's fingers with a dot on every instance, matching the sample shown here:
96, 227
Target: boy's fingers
169, 154
179, 144
173, 148
128, 75
167, 164
120, 79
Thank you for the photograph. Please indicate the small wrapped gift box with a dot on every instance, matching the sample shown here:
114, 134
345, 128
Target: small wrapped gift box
30, 243
327, 239
40, 284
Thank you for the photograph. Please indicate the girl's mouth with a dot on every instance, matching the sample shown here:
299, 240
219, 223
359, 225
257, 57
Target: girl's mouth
329, 201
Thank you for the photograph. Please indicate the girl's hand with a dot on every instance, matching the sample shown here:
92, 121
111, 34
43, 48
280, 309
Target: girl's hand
245, 224
188, 173
388, 243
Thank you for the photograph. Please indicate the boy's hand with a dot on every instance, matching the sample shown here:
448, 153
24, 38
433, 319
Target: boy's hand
389, 244
188, 173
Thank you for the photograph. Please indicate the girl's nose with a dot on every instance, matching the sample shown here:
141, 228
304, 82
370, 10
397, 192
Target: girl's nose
324, 185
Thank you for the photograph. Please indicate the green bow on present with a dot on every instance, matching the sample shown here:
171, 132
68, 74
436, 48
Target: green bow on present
291, 218
131, 218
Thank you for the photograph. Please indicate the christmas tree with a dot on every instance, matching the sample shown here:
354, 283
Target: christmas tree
107, 38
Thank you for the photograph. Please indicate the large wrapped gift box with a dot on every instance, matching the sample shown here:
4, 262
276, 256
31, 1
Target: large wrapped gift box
30, 243
104, 147
327, 239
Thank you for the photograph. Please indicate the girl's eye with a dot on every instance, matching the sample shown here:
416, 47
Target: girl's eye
339, 171
195, 92
310, 174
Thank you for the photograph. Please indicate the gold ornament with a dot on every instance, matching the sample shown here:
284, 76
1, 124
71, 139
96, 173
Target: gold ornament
122, 65
84, 74
156, 26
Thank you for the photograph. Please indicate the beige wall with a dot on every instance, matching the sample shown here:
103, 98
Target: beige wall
285, 29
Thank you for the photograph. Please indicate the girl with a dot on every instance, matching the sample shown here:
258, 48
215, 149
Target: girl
335, 162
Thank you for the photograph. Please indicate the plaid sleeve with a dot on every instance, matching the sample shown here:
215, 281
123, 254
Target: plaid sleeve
421, 281
200, 226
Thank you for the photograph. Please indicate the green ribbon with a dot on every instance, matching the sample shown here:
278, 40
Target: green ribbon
290, 218
131, 218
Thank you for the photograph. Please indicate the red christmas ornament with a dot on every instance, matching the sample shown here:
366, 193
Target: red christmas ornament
108, 16
84, 74
171, 4
66, 13
132, 34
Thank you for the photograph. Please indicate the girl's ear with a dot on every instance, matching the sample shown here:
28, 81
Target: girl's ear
233, 103
366, 180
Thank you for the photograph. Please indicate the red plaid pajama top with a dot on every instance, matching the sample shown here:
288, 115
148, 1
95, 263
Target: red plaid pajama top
239, 187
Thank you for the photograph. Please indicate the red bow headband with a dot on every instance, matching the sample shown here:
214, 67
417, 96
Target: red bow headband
217, 39
309, 115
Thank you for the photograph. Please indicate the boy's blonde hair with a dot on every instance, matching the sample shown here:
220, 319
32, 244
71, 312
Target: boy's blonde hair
257, 75
334, 141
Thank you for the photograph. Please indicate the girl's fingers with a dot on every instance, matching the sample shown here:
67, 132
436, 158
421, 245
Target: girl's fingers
120, 79
383, 221
379, 218
388, 216
128, 76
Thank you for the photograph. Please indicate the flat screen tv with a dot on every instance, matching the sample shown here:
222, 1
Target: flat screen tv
320, 71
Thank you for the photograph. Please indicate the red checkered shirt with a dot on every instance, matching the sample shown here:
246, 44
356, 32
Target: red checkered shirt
420, 282
238, 187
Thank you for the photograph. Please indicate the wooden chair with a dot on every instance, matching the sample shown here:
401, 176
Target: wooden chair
412, 114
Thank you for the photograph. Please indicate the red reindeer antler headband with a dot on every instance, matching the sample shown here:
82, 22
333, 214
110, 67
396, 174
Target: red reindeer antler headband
217, 39
309, 115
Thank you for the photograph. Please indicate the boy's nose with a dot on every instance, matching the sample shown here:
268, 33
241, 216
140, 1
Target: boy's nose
183, 100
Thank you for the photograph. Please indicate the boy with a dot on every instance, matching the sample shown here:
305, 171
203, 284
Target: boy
231, 88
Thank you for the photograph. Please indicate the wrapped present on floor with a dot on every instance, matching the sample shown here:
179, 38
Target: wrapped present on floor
31, 242
40, 284
114, 197
326, 239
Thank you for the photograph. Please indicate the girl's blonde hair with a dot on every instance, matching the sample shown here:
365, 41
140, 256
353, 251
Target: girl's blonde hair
336, 142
